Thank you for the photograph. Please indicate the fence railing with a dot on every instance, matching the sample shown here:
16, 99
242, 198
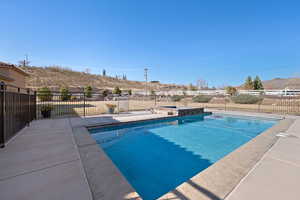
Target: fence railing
79, 104
17, 109
19, 106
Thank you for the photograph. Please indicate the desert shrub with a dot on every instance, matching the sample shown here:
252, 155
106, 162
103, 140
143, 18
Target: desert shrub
231, 90
117, 90
64, 94
73, 98
44, 94
202, 99
130, 92
45, 108
105, 93
176, 98
246, 99
88, 91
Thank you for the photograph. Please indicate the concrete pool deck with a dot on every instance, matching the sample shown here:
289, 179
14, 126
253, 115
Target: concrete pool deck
52, 159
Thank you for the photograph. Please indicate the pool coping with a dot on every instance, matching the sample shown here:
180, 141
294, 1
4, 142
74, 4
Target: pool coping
219, 179
215, 182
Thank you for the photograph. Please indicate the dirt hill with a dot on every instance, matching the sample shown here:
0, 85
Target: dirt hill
55, 77
281, 83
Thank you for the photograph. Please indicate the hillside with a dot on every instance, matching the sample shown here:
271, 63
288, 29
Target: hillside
281, 83
56, 77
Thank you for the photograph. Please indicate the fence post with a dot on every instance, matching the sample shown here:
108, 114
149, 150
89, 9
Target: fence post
35, 105
29, 110
2, 114
118, 106
83, 103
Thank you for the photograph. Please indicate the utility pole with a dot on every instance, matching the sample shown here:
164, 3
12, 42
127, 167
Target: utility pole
26, 60
146, 79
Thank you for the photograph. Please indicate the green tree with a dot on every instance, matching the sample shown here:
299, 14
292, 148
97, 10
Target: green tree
231, 90
117, 90
153, 93
248, 83
44, 94
88, 91
257, 84
64, 94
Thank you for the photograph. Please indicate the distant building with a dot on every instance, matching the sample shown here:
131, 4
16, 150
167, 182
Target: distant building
12, 75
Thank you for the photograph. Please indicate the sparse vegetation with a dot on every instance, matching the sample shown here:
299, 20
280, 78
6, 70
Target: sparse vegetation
202, 99
56, 77
44, 94
246, 99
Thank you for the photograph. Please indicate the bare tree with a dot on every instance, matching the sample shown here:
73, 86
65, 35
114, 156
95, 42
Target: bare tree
201, 84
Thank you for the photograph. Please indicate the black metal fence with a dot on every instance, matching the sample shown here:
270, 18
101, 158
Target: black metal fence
19, 106
70, 104
80, 104
17, 109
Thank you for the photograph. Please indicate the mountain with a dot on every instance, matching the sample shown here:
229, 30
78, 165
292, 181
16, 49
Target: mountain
281, 83
56, 77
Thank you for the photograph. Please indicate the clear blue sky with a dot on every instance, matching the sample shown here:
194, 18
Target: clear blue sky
180, 41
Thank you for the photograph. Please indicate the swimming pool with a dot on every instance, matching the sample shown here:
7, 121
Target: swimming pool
158, 155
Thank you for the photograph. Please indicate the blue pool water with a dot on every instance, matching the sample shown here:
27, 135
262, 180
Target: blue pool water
157, 156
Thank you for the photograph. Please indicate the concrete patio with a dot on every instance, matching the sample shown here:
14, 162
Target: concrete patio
45, 161
276, 176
